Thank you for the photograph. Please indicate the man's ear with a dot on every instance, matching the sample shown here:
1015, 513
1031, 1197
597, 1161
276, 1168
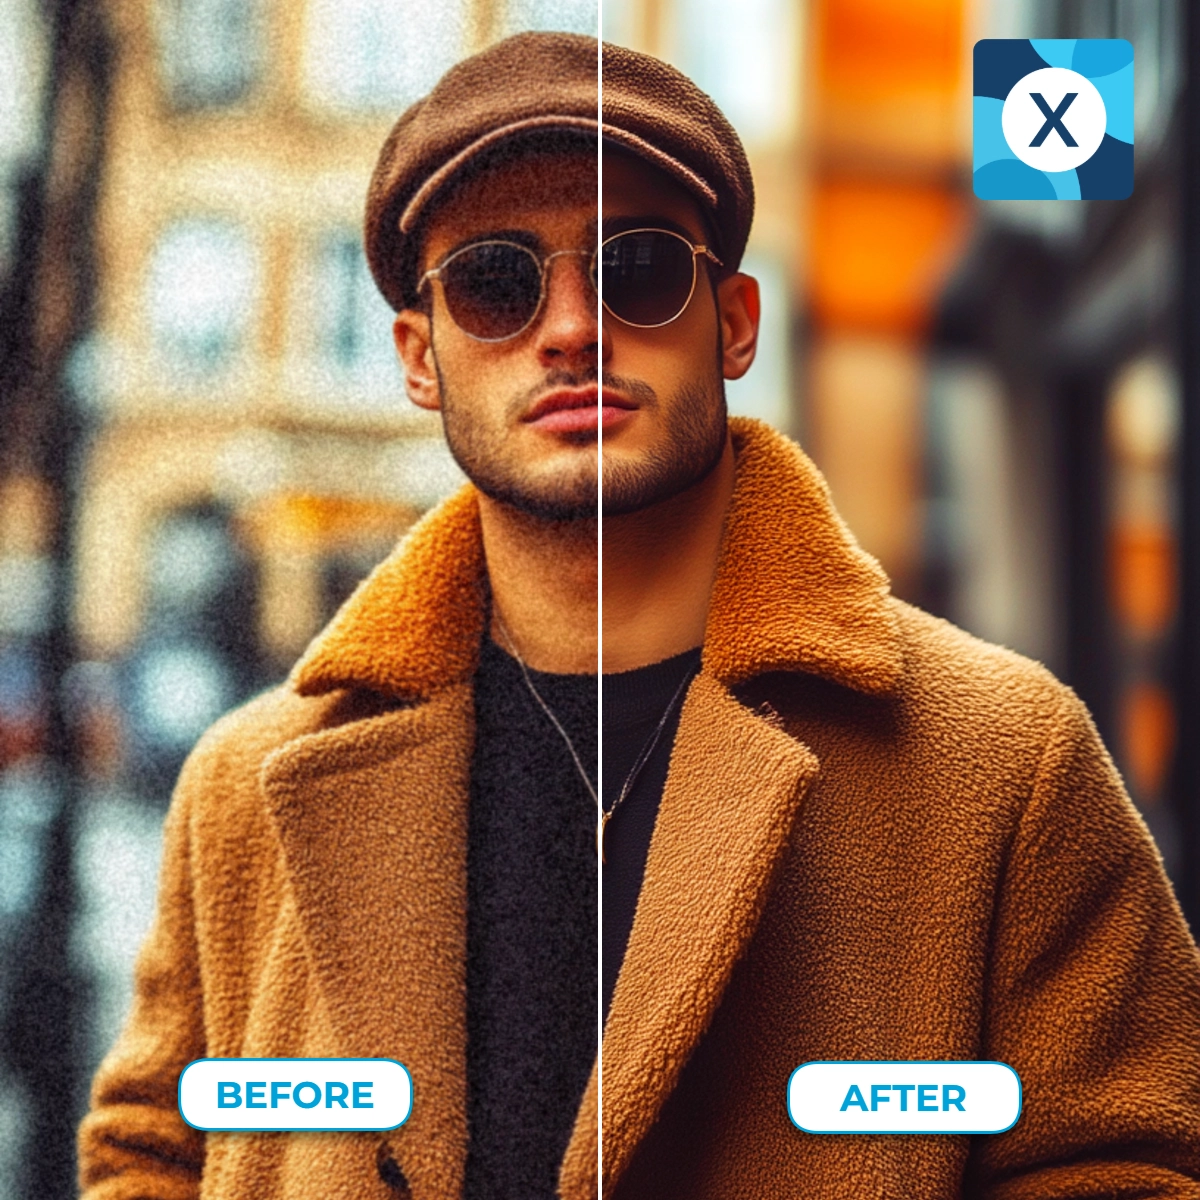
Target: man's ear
412, 332
739, 307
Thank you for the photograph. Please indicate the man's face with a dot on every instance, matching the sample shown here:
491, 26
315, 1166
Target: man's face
520, 415
664, 394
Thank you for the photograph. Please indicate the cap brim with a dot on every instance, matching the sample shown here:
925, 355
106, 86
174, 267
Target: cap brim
440, 177
659, 158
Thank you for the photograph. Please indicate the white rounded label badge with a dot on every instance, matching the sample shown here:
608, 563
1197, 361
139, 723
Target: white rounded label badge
295, 1093
904, 1097
1054, 119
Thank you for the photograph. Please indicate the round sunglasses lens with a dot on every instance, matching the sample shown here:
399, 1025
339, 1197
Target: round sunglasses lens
646, 276
492, 290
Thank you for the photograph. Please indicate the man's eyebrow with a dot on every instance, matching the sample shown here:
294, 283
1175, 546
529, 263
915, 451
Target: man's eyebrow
615, 225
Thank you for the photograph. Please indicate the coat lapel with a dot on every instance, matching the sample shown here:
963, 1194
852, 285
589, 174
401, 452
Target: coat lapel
732, 792
372, 820
793, 592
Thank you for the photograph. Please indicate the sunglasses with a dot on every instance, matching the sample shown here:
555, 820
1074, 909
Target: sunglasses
494, 290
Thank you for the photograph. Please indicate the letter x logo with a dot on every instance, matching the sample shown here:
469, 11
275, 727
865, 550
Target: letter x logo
1037, 133
1054, 118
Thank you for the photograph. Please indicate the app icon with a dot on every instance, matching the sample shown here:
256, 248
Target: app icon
1053, 119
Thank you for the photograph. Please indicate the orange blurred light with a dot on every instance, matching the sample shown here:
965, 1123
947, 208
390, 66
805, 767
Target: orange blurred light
1147, 737
879, 252
1142, 578
871, 48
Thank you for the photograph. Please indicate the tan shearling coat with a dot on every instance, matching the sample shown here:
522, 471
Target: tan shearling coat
879, 839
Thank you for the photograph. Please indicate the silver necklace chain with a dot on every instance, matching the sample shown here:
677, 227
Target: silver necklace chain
603, 815
606, 814
546, 709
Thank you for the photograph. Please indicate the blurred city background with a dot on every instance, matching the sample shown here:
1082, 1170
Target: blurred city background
204, 443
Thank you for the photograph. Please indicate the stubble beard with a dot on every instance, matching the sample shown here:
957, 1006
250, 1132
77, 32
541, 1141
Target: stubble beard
694, 432
487, 458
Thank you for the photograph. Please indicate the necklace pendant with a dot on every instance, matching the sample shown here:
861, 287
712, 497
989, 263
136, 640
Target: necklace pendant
601, 826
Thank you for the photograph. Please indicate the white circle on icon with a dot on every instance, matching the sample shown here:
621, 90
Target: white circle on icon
1040, 122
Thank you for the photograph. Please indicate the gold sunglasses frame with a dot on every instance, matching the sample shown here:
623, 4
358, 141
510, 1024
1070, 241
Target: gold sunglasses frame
697, 249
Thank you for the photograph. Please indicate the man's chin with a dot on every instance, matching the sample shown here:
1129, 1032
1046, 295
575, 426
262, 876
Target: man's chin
631, 487
547, 500
562, 487
671, 450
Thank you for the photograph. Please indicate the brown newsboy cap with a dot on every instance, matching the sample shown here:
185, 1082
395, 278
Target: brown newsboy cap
658, 113
545, 84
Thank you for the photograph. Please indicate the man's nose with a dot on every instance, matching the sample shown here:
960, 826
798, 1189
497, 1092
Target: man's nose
567, 331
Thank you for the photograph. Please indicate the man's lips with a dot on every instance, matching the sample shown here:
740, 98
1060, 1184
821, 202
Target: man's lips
572, 410
567, 410
562, 400
616, 408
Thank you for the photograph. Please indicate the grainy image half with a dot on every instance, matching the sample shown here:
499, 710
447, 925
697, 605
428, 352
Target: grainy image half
298, 366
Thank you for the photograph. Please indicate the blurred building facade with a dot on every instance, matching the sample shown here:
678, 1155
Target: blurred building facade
851, 112
234, 448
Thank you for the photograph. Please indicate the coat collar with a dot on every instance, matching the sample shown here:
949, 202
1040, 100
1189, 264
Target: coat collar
414, 625
794, 591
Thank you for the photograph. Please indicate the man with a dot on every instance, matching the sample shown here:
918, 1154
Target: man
835, 827
393, 855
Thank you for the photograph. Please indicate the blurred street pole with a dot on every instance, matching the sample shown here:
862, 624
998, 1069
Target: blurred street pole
47, 311
1187, 766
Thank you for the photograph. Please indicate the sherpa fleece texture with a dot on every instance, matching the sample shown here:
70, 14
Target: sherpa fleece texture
313, 902
883, 839
879, 838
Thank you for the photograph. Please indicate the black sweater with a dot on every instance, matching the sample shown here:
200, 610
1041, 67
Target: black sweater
634, 703
531, 927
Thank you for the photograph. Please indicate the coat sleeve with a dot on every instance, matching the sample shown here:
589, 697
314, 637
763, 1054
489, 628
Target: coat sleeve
133, 1144
1093, 995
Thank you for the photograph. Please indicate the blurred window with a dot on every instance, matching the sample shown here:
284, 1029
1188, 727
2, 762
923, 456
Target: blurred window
118, 845
212, 50
197, 653
341, 327
180, 689
200, 291
1143, 418
567, 16
22, 78
28, 804
380, 54
747, 65
191, 560
26, 594
22, 703
354, 331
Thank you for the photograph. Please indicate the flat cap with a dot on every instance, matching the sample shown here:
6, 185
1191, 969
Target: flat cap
528, 83
536, 84
657, 113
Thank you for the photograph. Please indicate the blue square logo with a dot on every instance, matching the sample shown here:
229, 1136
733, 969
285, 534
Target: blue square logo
1053, 119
